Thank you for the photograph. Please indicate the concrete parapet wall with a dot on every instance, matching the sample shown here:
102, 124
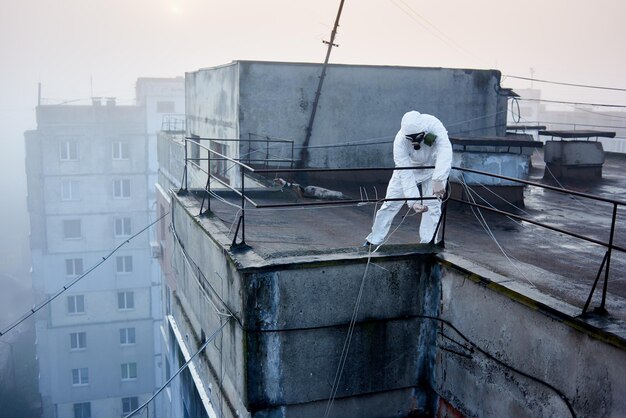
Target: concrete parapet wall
536, 340
280, 353
204, 278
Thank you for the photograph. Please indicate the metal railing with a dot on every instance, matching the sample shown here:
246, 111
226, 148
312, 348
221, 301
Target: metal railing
173, 122
610, 245
245, 168
267, 140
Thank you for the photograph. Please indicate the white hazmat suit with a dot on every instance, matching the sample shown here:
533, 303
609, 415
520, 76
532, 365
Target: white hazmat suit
404, 183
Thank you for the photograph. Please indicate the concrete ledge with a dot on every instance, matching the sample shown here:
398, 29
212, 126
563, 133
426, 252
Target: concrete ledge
610, 331
545, 354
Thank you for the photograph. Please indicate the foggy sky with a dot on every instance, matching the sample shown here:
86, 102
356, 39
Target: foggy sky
74, 47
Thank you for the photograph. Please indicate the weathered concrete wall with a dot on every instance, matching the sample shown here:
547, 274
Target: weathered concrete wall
212, 111
580, 160
575, 153
281, 352
196, 299
297, 320
504, 164
212, 102
362, 104
171, 159
532, 338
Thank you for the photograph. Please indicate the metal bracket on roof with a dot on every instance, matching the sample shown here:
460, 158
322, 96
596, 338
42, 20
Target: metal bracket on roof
241, 245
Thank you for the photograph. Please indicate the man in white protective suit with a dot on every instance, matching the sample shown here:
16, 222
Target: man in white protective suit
421, 141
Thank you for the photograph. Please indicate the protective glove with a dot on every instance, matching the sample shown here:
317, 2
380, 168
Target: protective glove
439, 189
419, 208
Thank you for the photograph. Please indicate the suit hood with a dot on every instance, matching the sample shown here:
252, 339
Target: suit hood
412, 123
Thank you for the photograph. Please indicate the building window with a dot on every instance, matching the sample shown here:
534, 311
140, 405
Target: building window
80, 377
129, 404
122, 227
125, 300
68, 151
120, 150
82, 410
70, 190
73, 267
124, 264
78, 341
121, 189
76, 304
127, 336
71, 229
165, 107
129, 371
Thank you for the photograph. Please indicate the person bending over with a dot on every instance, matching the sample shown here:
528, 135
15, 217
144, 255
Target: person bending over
421, 141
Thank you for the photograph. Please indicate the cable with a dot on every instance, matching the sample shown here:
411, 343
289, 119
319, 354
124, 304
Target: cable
558, 182
346, 344
519, 113
602, 114
395, 229
431, 28
502, 199
566, 84
200, 275
524, 225
501, 362
476, 118
59, 292
183, 367
573, 103
490, 233
576, 124
376, 140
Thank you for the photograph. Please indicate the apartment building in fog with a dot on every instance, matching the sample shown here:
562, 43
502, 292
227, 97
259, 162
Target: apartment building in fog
91, 171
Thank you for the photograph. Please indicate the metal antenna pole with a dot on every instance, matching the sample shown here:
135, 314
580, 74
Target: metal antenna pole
305, 152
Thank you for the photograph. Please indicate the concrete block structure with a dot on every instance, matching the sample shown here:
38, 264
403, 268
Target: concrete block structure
507, 156
573, 156
359, 109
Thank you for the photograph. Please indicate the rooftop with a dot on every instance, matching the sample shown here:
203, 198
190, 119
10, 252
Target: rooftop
552, 270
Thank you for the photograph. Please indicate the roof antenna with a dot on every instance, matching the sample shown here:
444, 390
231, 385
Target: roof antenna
304, 152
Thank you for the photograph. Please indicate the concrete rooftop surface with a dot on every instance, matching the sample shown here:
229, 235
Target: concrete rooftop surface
550, 268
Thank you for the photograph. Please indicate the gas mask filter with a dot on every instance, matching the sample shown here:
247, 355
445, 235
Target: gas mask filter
421, 137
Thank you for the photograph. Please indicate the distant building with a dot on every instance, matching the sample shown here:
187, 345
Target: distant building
91, 172
569, 117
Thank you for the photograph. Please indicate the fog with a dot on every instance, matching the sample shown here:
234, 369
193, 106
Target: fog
80, 49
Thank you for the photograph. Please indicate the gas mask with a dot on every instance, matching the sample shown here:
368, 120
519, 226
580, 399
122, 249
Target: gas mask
421, 137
